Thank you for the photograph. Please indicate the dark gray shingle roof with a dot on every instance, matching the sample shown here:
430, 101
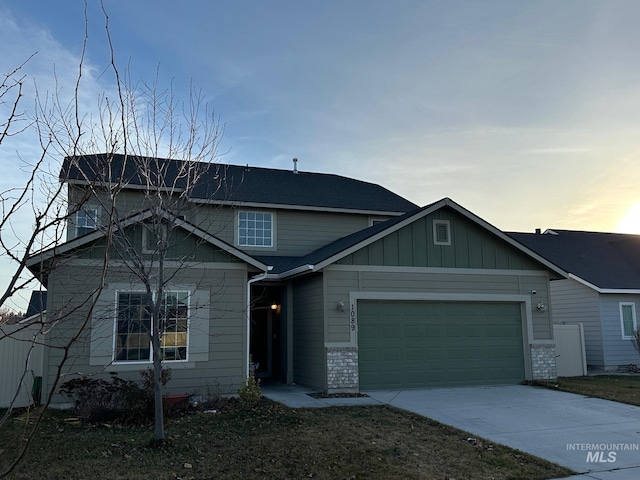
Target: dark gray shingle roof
37, 303
238, 184
606, 260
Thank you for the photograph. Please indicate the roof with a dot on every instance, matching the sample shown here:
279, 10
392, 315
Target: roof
288, 266
37, 303
240, 185
606, 261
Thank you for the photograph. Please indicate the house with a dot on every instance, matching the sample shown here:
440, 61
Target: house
317, 279
602, 291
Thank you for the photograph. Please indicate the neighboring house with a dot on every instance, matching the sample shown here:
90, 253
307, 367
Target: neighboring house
317, 279
602, 291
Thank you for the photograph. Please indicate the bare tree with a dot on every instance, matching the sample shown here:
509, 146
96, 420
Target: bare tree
140, 122
155, 123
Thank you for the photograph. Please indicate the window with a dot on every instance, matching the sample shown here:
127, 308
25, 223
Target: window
441, 232
255, 229
86, 221
628, 319
133, 327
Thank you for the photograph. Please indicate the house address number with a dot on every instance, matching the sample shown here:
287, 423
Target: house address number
352, 319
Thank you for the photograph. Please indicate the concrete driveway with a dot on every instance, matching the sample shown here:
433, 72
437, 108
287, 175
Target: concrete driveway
598, 438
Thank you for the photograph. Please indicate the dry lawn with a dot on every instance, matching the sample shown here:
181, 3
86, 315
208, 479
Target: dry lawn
619, 388
271, 442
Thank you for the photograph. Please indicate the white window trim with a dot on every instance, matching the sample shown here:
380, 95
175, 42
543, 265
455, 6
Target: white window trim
150, 361
436, 223
633, 314
86, 208
257, 247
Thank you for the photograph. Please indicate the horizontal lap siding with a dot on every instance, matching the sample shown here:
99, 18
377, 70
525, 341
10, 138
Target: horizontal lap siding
617, 351
297, 232
223, 323
574, 303
340, 283
300, 233
309, 362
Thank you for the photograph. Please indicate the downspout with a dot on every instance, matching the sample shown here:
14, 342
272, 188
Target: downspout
257, 278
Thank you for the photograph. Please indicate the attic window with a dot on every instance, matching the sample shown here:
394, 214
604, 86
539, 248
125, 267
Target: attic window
441, 232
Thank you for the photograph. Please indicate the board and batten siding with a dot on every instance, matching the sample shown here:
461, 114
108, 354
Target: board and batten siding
342, 280
471, 247
575, 303
309, 358
618, 352
217, 325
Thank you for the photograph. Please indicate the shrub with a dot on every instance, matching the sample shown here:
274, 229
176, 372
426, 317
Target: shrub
116, 400
250, 392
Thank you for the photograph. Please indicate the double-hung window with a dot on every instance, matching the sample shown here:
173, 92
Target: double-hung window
134, 323
628, 319
255, 229
86, 221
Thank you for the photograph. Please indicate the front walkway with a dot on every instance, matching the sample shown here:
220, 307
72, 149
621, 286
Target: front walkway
598, 438
295, 396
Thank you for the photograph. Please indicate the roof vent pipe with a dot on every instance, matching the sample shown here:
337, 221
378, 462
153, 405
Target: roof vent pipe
295, 166
538, 231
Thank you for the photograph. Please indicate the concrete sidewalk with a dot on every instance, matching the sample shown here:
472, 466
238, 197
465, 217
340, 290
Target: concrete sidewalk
598, 438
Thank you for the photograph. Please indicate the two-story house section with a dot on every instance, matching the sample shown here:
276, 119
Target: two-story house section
318, 279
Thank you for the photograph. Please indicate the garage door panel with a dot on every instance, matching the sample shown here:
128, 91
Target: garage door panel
421, 344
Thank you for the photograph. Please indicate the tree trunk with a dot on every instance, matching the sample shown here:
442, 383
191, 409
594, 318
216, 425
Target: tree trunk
158, 430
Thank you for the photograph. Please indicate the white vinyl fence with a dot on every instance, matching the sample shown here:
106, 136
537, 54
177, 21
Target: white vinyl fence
571, 360
20, 363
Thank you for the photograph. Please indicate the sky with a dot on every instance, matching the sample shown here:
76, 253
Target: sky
524, 112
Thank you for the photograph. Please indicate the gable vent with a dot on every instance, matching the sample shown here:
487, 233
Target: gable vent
441, 232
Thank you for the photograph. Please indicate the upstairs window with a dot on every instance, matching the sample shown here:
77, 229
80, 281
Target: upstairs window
133, 327
255, 229
86, 221
628, 319
441, 232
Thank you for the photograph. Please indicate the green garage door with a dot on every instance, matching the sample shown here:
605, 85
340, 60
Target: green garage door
404, 344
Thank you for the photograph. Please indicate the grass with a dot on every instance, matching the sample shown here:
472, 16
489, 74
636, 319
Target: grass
619, 388
270, 442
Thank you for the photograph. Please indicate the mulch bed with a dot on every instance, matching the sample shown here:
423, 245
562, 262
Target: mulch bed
337, 395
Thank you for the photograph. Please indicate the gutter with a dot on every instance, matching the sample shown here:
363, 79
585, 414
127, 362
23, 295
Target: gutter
632, 291
251, 281
297, 271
